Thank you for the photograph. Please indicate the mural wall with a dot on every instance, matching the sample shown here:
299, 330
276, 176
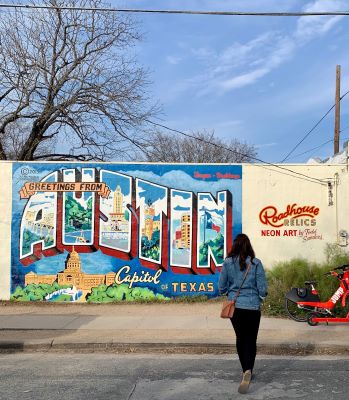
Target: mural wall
106, 232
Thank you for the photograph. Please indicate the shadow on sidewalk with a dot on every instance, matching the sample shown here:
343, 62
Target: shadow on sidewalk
35, 332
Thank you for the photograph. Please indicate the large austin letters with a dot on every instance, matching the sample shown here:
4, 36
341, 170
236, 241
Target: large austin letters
112, 232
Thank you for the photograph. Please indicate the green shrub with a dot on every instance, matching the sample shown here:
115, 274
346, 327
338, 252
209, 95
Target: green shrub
116, 293
38, 292
285, 275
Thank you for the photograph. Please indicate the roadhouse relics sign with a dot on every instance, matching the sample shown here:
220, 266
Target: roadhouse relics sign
293, 221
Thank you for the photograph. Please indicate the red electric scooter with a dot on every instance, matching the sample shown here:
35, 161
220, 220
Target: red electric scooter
304, 305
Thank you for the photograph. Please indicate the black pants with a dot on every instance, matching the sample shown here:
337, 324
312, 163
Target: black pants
246, 326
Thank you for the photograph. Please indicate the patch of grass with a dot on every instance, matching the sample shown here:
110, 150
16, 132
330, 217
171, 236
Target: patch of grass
172, 300
196, 299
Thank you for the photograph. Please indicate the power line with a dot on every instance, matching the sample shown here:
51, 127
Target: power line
314, 148
312, 129
188, 12
303, 176
307, 134
318, 147
198, 12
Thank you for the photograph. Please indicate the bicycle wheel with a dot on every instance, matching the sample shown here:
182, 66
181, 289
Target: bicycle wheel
310, 317
294, 312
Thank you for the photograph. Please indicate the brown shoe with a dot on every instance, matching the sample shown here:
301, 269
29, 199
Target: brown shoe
245, 382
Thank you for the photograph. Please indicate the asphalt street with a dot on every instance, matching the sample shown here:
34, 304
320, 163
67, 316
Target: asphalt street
167, 377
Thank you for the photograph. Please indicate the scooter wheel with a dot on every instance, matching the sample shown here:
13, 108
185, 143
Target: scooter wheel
310, 317
294, 312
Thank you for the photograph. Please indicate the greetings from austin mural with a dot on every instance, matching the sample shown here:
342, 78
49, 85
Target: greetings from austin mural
108, 232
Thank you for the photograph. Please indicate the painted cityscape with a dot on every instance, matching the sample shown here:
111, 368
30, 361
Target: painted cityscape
101, 233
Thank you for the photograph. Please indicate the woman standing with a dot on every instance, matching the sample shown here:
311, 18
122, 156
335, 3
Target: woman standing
247, 315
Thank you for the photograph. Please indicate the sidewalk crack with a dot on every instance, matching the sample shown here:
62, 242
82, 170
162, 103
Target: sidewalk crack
132, 391
71, 321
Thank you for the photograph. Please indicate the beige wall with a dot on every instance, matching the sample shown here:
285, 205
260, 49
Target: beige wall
269, 186
5, 228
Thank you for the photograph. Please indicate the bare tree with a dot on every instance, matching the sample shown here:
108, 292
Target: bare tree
69, 86
202, 147
16, 137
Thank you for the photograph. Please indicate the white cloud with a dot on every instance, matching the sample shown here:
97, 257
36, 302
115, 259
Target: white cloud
181, 202
311, 27
243, 80
181, 180
203, 53
173, 59
221, 5
88, 175
211, 206
238, 52
228, 124
242, 64
42, 197
263, 145
261, 55
38, 207
227, 70
82, 201
159, 205
277, 49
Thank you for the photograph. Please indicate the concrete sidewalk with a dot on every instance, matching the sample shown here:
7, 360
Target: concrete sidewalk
171, 328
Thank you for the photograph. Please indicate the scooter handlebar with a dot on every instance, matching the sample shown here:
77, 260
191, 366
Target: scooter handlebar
343, 267
331, 273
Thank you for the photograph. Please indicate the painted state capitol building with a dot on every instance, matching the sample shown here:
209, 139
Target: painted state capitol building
72, 275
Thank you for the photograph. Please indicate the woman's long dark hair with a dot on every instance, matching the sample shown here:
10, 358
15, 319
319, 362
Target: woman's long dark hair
242, 248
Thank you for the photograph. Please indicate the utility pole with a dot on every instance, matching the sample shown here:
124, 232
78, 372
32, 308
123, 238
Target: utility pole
337, 110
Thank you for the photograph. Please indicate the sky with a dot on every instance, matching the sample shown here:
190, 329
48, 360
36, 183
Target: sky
263, 80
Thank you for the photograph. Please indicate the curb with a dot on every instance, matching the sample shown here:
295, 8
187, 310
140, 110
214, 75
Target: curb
292, 349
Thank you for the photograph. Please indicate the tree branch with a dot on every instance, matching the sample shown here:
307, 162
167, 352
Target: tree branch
71, 70
64, 157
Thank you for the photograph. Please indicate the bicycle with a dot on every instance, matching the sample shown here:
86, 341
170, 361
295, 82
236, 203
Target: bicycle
304, 305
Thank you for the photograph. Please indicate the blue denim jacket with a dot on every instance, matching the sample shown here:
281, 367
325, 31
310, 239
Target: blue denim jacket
254, 289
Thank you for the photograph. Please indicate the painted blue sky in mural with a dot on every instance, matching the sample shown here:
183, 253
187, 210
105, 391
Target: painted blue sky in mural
180, 208
151, 193
181, 194
113, 181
